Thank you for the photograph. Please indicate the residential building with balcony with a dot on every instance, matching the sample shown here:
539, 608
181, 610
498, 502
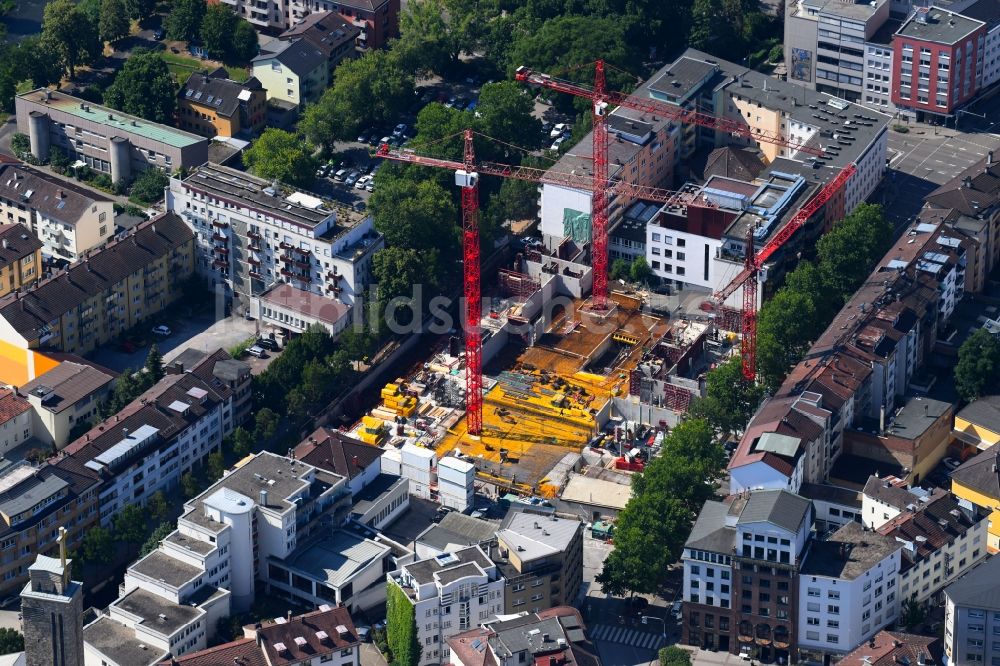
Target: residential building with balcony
106, 140
451, 593
377, 21
211, 104
541, 560
64, 398
972, 616
229, 378
552, 636
339, 453
147, 446
262, 14
109, 292
35, 502
295, 72
848, 591
942, 539
741, 574
253, 235
69, 220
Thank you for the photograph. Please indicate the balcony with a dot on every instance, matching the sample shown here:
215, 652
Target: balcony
253, 234
256, 274
219, 224
220, 237
219, 263
253, 261
220, 249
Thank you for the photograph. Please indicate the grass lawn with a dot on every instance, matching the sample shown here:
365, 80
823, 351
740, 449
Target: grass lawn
184, 66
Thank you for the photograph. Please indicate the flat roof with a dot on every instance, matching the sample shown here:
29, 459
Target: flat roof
117, 121
334, 558
157, 613
306, 303
917, 415
160, 566
118, 642
940, 26
596, 492
535, 536
849, 553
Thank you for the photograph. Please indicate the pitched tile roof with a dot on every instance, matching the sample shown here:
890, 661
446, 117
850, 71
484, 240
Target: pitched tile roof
778, 507
733, 163
980, 473
336, 452
12, 405
302, 636
937, 523
217, 92
983, 412
52, 196
16, 242
888, 648
242, 652
299, 55
46, 301
328, 31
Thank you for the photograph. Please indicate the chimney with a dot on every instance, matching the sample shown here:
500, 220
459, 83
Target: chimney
61, 194
124, 433
288, 615
989, 158
881, 419
967, 182
263, 498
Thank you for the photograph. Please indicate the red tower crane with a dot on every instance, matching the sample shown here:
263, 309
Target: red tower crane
467, 174
601, 100
752, 262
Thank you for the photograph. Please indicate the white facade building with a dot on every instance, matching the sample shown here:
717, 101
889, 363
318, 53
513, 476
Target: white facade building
450, 593
848, 590
972, 616
456, 483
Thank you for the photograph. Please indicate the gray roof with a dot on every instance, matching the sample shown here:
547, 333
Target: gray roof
423, 571
66, 384
682, 77
117, 642
157, 613
942, 27
299, 55
370, 494
984, 412
778, 507
29, 313
535, 536
219, 93
825, 492
450, 575
710, 531
894, 495
980, 473
52, 196
525, 634
328, 31
281, 477
849, 553
34, 490
159, 566
189, 543
917, 415
782, 445
335, 558
979, 587
458, 529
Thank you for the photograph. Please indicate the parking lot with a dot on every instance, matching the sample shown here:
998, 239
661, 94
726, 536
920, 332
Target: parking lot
925, 158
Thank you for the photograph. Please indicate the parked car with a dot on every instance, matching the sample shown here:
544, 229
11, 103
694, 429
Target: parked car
158, 34
162, 330
547, 127
352, 178
558, 129
363, 137
370, 186
268, 343
400, 129
385, 139
951, 463
557, 144
675, 609
321, 172
257, 351
451, 102
373, 139
365, 168
361, 182
340, 175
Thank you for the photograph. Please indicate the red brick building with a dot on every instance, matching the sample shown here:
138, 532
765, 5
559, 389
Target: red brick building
378, 20
936, 56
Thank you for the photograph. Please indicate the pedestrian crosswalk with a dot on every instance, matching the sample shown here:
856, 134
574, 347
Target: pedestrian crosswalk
618, 634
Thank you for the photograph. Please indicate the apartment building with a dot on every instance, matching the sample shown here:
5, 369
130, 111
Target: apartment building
555, 635
65, 398
978, 481
450, 593
896, 647
20, 258
15, 420
741, 574
253, 235
942, 539
35, 503
106, 140
848, 591
212, 104
229, 378
295, 71
343, 455
972, 616
885, 498
113, 289
328, 31
326, 635
978, 423
146, 447
377, 21
69, 220
541, 560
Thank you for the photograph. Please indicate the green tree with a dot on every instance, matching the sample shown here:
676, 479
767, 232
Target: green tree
371, 90
154, 363
217, 29
977, 372
244, 43
674, 656
216, 465
847, 253
912, 612
730, 398
785, 329
281, 155
58, 159
265, 424
11, 641
97, 546
189, 485
433, 33
128, 387
505, 113
114, 23
149, 185
130, 524
639, 271
72, 34
140, 9
242, 442
153, 542
620, 270
184, 20
415, 215
690, 459
401, 628
144, 87
399, 272
158, 507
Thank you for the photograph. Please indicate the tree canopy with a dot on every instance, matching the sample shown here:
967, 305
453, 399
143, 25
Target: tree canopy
114, 22
144, 87
184, 20
149, 186
11, 641
71, 33
730, 399
977, 372
281, 155
216, 30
